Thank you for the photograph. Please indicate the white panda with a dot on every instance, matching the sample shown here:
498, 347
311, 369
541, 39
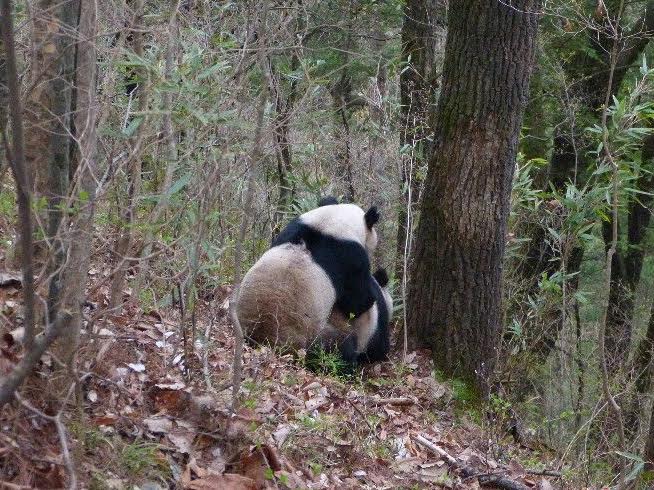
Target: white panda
339, 237
371, 341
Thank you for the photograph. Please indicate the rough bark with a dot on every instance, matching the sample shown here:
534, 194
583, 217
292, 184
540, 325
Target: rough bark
422, 38
455, 293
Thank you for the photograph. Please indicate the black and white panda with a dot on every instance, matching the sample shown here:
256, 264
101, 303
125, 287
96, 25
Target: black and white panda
318, 263
340, 238
371, 334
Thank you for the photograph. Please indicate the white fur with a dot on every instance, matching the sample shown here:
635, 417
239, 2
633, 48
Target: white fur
345, 221
285, 298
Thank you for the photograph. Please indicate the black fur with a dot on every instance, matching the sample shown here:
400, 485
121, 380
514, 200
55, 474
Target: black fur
371, 217
381, 276
344, 261
327, 201
379, 344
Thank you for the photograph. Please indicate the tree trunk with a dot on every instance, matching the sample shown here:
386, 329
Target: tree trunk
74, 275
47, 115
124, 242
4, 103
422, 34
341, 97
455, 294
628, 263
282, 127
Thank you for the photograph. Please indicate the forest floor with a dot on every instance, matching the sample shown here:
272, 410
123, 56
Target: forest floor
150, 417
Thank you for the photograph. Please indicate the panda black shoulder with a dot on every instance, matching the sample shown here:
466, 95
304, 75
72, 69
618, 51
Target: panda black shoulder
296, 232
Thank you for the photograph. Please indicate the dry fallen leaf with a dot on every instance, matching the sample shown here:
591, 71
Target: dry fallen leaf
158, 425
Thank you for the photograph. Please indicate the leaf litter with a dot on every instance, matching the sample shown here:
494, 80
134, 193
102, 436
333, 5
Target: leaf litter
153, 413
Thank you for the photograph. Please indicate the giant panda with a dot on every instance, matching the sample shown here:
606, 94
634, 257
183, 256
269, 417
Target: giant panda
371, 329
317, 264
340, 238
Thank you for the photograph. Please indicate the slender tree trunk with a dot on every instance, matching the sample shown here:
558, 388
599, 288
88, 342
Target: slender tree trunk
4, 103
341, 97
455, 293
535, 143
48, 117
628, 264
79, 236
282, 127
422, 39
124, 242
643, 367
60, 143
22, 178
170, 144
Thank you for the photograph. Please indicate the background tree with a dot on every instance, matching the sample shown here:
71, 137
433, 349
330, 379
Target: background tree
423, 36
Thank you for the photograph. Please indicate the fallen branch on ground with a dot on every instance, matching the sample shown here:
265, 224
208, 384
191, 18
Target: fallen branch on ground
469, 472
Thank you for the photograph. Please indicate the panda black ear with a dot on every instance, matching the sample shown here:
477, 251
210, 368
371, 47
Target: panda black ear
372, 217
381, 276
327, 201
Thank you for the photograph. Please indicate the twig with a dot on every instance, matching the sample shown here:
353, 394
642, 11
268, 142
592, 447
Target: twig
552, 473
404, 401
469, 472
205, 356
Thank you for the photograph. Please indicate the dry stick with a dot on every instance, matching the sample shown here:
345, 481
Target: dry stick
237, 369
469, 472
613, 405
17, 163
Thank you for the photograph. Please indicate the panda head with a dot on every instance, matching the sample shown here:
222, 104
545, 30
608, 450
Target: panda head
345, 221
